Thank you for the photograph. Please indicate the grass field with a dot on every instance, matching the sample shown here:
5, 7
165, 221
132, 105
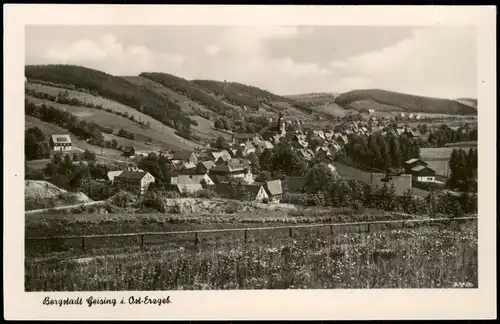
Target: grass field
409, 258
331, 109
49, 129
157, 131
205, 128
435, 153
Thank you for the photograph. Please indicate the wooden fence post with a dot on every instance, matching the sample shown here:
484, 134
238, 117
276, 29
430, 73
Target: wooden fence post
368, 229
142, 242
331, 230
83, 243
246, 236
291, 233
196, 238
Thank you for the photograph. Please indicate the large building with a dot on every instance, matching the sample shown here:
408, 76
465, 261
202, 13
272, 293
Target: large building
61, 142
234, 168
135, 182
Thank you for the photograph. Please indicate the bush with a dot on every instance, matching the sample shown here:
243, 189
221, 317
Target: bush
123, 199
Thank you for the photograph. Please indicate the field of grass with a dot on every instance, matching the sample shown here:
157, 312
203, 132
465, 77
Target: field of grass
364, 105
49, 129
435, 153
435, 257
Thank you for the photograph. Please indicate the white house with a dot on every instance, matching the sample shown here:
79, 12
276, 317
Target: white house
61, 142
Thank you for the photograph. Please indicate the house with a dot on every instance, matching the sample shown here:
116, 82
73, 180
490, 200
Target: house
400, 131
422, 173
411, 163
342, 139
145, 153
249, 148
129, 151
329, 135
61, 142
184, 156
192, 179
205, 165
413, 133
135, 182
318, 133
240, 191
240, 138
188, 166
402, 182
304, 154
235, 168
265, 145
371, 111
274, 190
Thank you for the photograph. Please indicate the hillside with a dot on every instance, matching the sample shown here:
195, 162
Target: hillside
102, 84
195, 93
403, 102
468, 101
159, 134
252, 98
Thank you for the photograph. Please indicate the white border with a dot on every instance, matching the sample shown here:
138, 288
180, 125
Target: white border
270, 304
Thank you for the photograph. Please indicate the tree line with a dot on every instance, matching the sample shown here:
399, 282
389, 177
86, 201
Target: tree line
381, 152
444, 135
463, 170
145, 100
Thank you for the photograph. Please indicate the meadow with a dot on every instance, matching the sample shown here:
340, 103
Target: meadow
428, 257
157, 130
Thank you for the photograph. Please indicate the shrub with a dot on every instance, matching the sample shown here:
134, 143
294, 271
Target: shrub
123, 199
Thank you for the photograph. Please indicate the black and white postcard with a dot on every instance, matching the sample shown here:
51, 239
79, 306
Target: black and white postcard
249, 162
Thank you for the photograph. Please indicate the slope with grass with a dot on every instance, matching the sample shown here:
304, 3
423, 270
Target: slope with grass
159, 107
194, 93
188, 106
248, 96
401, 102
49, 129
159, 133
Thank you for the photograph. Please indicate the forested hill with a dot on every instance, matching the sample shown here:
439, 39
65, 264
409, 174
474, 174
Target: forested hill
96, 82
193, 92
383, 100
248, 96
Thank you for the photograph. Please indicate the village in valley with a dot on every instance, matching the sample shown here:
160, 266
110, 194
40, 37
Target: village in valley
155, 182
225, 164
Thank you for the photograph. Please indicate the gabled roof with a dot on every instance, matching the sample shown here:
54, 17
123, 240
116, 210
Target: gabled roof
208, 164
112, 174
419, 168
61, 139
188, 165
274, 187
132, 175
182, 155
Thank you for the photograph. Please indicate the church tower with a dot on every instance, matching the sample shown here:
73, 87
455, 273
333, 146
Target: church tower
281, 124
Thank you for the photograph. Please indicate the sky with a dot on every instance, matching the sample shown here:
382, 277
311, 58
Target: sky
428, 61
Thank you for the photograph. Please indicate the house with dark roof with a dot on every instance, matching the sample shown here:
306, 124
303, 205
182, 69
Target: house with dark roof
422, 173
401, 183
413, 133
274, 190
234, 168
61, 142
241, 191
205, 165
240, 138
135, 182
184, 156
